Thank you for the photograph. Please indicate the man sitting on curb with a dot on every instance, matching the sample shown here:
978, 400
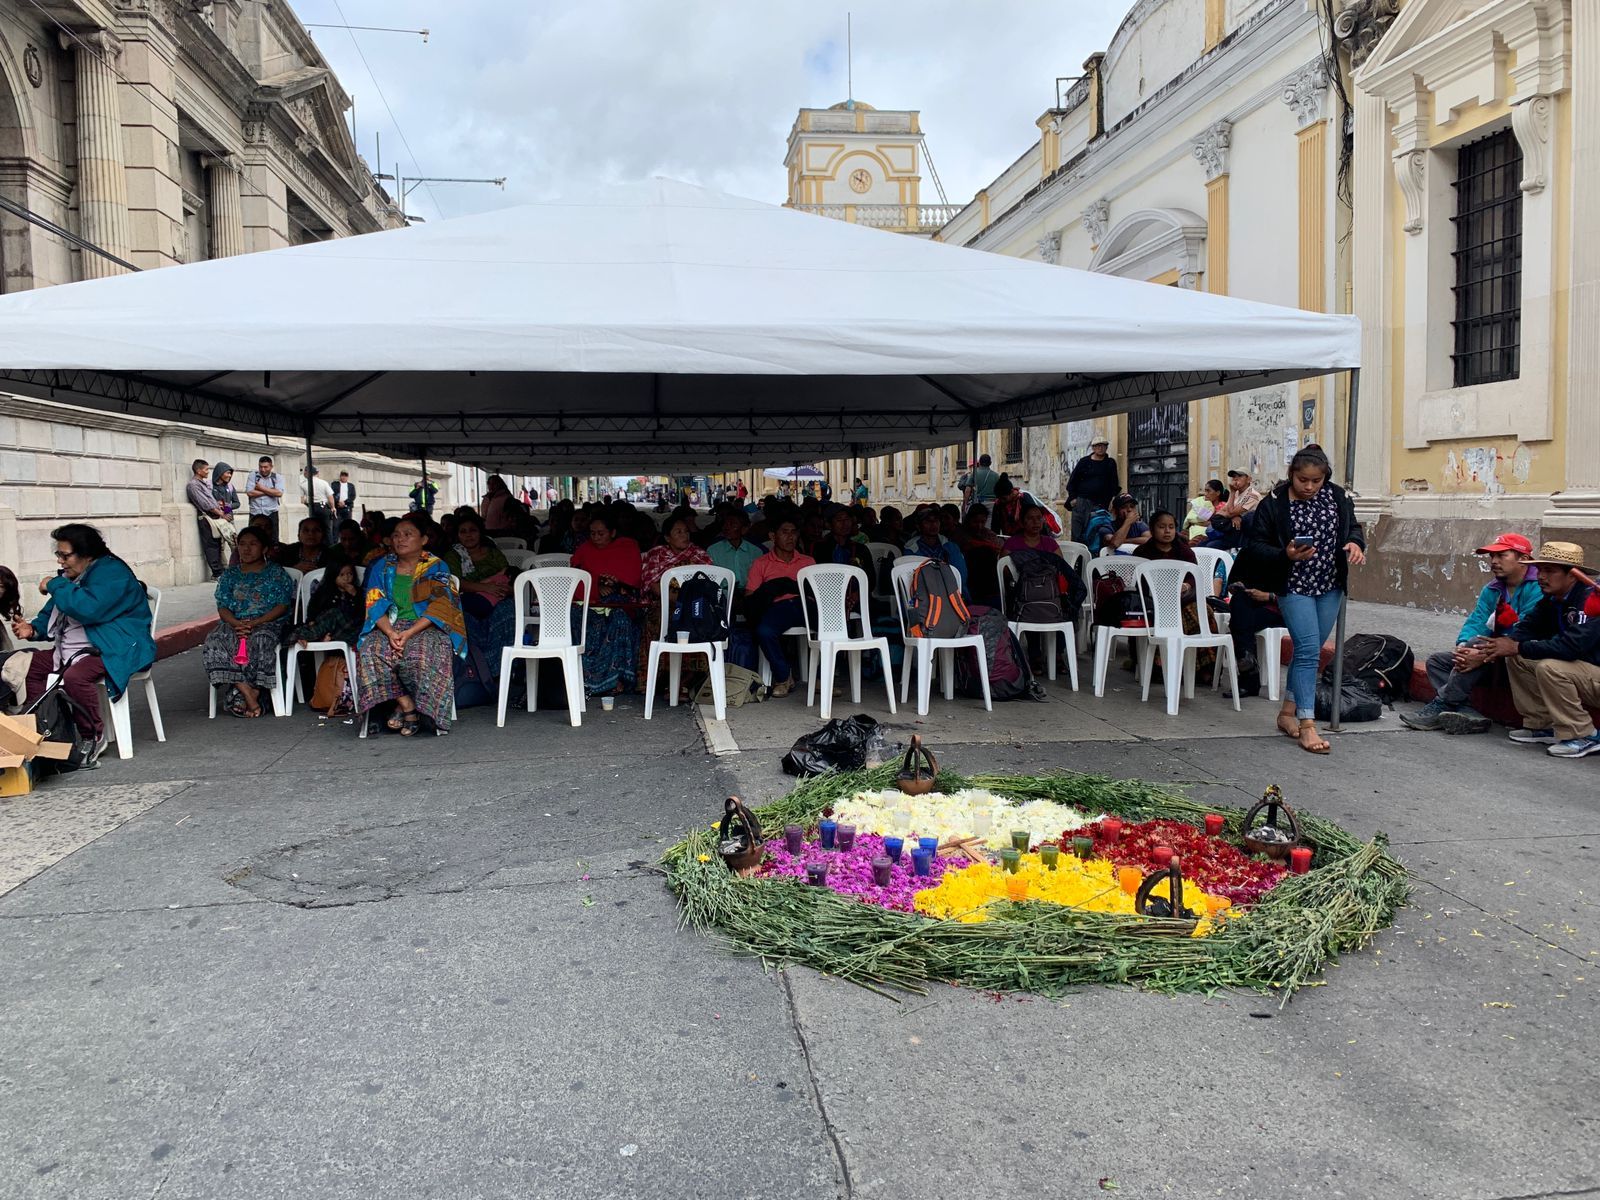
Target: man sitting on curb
1553, 657
1508, 597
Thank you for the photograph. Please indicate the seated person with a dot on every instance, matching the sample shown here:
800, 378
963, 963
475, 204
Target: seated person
1034, 541
254, 600
735, 551
379, 541
412, 634
98, 613
352, 543
1031, 533
334, 614
891, 527
1510, 595
1197, 521
310, 548
1129, 530
1164, 543
1251, 607
975, 530
840, 544
773, 599
1006, 515
487, 605
677, 549
1553, 657
950, 521
611, 648
930, 543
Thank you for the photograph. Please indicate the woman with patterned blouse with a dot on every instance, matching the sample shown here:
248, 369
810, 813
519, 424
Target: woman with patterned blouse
254, 600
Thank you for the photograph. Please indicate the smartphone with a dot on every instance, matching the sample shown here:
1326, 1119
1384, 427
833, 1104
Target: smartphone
1305, 542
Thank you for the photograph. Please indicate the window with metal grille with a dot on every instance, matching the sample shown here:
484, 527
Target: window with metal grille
1011, 449
1488, 255
919, 463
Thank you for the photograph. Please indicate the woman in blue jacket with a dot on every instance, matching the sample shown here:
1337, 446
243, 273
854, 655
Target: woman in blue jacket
99, 617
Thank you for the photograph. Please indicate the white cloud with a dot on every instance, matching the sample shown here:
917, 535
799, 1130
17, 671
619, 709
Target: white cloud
559, 96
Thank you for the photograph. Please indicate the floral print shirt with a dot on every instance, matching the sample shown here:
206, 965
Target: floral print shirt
1318, 519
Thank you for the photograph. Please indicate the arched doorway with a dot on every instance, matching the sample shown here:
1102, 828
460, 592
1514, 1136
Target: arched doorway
1165, 246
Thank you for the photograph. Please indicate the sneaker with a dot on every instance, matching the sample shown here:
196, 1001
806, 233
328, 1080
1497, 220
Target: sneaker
1533, 737
1576, 747
1464, 720
1429, 717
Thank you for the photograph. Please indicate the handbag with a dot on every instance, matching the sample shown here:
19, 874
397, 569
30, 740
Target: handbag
332, 683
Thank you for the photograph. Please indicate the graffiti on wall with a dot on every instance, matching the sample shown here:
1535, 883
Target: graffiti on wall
1075, 437
1472, 468
1261, 429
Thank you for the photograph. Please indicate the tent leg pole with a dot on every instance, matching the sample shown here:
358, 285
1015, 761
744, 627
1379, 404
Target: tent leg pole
1344, 601
311, 466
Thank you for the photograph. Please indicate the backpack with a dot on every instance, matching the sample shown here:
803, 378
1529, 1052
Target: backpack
1035, 597
937, 608
742, 686
1009, 676
1382, 662
53, 716
1099, 527
699, 610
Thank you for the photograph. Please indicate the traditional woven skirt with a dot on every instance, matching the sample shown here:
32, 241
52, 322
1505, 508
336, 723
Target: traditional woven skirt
261, 647
424, 672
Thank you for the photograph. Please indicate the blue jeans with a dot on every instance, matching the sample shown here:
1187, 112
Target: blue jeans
785, 614
1310, 620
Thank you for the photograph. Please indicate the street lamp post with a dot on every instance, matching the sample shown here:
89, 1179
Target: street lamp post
404, 186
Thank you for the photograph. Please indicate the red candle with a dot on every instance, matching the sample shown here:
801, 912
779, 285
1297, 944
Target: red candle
1214, 822
1111, 828
1161, 855
1300, 859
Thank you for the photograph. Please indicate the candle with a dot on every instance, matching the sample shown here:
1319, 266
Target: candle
1111, 829
1050, 855
846, 837
1083, 847
922, 862
930, 844
982, 821
1160, 855
1214, 823
1300, 859
1011, 859
1016, 887
825, 833
1021, 839
817, 874
794, 838
881, 867
892, 847
1130, 878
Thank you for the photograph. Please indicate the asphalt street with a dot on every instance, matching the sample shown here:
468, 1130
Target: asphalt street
267, 959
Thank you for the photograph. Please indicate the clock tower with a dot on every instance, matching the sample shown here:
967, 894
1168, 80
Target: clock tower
857, 163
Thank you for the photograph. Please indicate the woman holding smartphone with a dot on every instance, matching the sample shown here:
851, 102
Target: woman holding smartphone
1305, 537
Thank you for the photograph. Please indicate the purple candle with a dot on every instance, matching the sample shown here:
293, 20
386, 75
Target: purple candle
922, 861
892, 846
847, 837
817, 874
794, 838
825, 832
881, 866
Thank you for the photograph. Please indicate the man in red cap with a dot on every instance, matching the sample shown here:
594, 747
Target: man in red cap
1508, 597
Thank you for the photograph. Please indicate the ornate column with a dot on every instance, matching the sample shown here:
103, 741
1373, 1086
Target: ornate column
1579, 503
1305, 93
227, 208
1210, 150
1372, 302
102, 186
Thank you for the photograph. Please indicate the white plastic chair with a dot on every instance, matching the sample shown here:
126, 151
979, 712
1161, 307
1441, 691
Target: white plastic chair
924, 648
1162, 586
552, 560
556, 589
297, 578
1106, 636
510, 543
1078, 558
827, 585
296, 688
716, 652
120, 728
1007, 571
1211, 561
1269, 658
523, 560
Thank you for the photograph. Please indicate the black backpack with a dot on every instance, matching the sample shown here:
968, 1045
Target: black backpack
699, 610
936, 607
54, 716
1035, 597
1382, 662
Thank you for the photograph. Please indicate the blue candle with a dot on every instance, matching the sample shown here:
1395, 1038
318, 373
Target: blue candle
930, 844
892, 847
922, 861
825, 832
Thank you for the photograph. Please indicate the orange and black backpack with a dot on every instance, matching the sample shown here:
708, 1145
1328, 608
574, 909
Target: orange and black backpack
936, 606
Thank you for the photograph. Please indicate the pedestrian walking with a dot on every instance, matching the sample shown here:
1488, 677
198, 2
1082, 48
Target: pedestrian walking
266, 492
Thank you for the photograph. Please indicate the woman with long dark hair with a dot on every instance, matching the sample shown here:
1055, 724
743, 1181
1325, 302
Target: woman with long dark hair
254, 599
1304, 539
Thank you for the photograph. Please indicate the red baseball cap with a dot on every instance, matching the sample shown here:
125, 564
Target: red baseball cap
1508, 541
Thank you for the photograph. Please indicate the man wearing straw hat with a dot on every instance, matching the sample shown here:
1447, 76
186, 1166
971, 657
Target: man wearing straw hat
1553, 657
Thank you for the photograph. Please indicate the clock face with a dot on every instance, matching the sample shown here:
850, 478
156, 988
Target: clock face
860, 179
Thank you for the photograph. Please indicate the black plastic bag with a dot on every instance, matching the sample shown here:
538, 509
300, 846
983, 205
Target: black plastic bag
843, 744
1358, 703
1383, 662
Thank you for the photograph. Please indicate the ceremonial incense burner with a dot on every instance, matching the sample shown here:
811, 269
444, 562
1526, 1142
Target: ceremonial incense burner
1269, 837
918, 769
1150, 905
739, 837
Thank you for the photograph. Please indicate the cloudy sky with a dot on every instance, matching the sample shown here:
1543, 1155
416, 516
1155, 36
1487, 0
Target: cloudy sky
558, 95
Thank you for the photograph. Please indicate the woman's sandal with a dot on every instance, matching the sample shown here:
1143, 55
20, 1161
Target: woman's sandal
1321, 748
396, 721
1288, 726
409, 724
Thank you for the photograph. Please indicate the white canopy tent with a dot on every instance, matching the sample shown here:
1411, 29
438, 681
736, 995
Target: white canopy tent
655, 327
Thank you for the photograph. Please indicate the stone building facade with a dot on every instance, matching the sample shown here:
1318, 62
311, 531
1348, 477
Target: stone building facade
164, 132
1310, 154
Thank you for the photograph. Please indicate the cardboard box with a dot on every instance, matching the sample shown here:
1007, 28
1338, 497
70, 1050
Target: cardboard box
21, 745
